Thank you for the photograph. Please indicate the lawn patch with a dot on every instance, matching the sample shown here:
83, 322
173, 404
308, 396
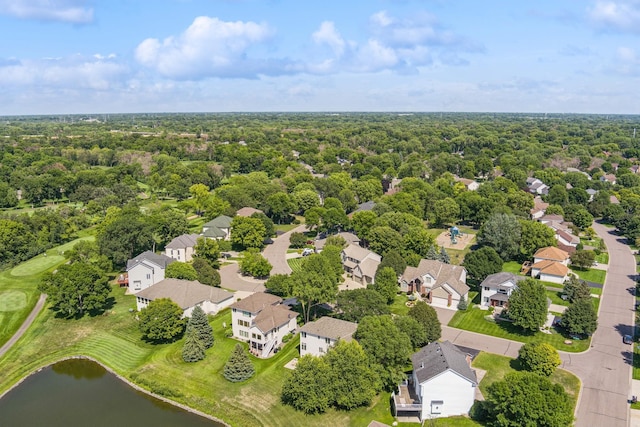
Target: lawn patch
591, 275
13, 300
295, 263
37, 265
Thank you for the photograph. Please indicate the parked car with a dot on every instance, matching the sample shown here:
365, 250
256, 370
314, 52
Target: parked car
627, 339
307, 251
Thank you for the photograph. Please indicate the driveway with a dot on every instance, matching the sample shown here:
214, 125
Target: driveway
231, 278
605, 369
276, 253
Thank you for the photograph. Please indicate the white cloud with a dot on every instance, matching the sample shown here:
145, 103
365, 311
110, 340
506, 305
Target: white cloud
210, 48
73, 11
619, 15
626, 62
75, 72
327, 34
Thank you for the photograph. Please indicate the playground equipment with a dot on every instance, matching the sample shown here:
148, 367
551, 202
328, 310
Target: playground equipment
454, 232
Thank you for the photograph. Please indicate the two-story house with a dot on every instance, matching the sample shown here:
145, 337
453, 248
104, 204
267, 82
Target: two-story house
218, 228
361, 263
317, 337
497, 288
182, 247
262, 321
187, 294
444, 285
550, 264
146, 270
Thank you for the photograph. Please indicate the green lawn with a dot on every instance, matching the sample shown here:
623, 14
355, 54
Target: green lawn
498, 366
603, 258
555, 297
295, 263
399, 305
474, 320
591, 275
512, 267
285, 227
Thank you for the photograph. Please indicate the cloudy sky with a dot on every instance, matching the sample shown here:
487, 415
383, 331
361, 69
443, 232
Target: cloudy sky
101, 56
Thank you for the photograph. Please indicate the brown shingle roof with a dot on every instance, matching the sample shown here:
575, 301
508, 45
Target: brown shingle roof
443, 273
273, 316
329, 327
551, 253
551, 267
185, 293
247, 211
256, 302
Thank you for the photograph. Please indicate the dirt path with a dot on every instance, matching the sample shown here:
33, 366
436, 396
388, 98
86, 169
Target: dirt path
25, 325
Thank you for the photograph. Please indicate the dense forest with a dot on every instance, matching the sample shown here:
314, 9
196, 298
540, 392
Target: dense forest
59, 175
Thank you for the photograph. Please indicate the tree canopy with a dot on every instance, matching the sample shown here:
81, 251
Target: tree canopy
528, 305
161, 321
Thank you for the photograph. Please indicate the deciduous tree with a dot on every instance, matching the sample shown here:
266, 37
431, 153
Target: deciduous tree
580, 317
528, 305
161, 321
354, 382
428, 318
386, 284
539, 358
355, 304
310, 397
180, 270
583, 259
502, 232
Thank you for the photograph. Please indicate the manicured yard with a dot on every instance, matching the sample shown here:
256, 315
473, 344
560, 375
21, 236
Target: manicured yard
498, 366
591, 275
295, 263
512, 267
285, 227
474, 320
556, 298
603, 258
399, 305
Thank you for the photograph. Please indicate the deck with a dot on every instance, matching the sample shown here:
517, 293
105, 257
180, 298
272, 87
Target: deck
405, 400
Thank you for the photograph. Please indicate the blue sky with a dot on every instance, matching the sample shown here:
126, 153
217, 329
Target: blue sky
99, 56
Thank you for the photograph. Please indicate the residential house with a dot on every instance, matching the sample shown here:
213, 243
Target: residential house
350, 238
187, 294
218, 228
444, 285
247, 211
536, 186
550, 265
361, 263
610, 178
366, 206
182, 247
146, 270
469, 184
497, 288
591, 192
539, 208
262, 320
317, 337
442, 383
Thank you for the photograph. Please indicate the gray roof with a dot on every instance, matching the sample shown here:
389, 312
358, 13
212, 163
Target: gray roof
214, 232
359, 253
256, 302
350, 238
329, 327
183, 241
221, 221
160, 260
438, 357
185, 293
273, 316
500, 278
366, 206
247, 211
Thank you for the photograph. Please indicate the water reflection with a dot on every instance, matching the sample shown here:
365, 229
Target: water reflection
79, 368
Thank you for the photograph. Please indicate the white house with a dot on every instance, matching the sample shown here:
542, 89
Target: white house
146, 270
536, 186
182, 247
187, 294
497, 288
350, 238
361, 263
316, 337
539, 208
262, 321
218, 228
550, 265
444, 285
442, 383
469, 184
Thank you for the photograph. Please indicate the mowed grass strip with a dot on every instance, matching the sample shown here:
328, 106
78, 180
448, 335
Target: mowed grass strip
13, 300
295, 263
37, 265
591, 275
474, 320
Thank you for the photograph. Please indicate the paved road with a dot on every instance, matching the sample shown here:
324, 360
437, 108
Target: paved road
25, 325
231, 278
276, 252
605, 369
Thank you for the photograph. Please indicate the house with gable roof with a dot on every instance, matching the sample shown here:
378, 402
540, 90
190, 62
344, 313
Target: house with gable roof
247, 211
187, 294
318, 336
536, 186
443, 285
497, 288
218, 228
262, 320
182, 247
442, 383
361, 263
146, 270
469, 184
550, 264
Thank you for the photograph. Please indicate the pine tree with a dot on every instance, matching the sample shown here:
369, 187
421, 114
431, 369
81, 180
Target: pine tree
444, 256
238, 367
432, 253
200, 324
193, 349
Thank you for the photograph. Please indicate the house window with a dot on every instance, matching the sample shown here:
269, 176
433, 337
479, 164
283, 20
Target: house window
436, 406
303, 334
327, 340
244, 334
256, 337
303, 346
243, 323
148, 276
136, 284
486, 288
321, 350
246, 314
486, 299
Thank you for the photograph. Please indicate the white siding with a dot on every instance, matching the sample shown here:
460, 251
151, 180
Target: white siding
143, 275
456, 393
314, 344
552, 279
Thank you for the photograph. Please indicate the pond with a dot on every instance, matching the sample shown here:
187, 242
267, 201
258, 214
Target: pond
81, 392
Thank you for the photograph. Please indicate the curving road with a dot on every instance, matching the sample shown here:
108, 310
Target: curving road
605, 369
276, 252
25, 325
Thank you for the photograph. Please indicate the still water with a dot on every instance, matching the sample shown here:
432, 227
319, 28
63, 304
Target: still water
80, 392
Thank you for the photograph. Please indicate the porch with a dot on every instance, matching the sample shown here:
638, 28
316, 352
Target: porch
406, 403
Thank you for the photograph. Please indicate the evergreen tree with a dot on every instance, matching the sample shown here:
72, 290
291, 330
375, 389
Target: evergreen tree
432, 253
200, 324
444, 256
238, 367
193, 350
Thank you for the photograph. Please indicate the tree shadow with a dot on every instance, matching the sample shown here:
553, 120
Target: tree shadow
627, 355
624, 329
